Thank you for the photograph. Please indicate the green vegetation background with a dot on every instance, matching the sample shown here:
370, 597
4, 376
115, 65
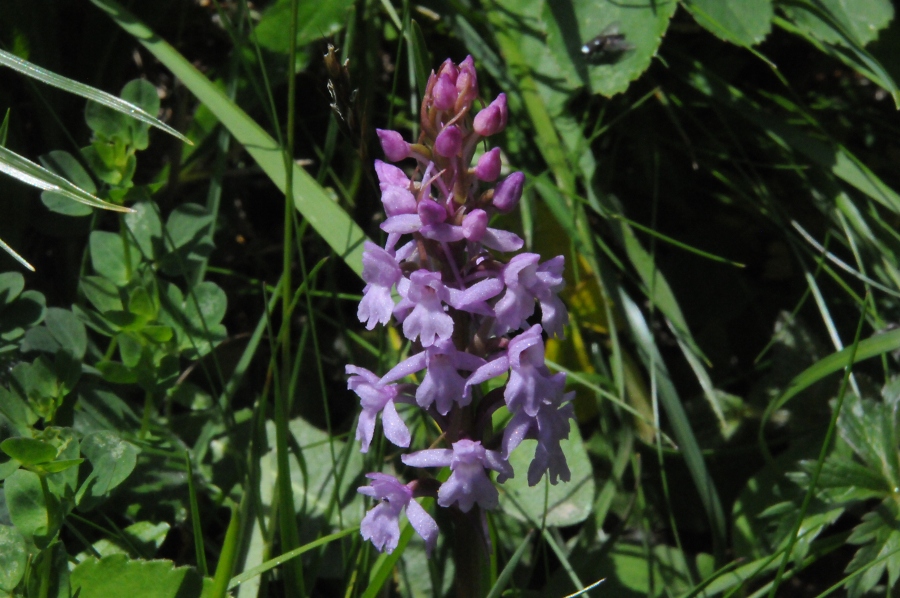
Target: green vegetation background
724, 189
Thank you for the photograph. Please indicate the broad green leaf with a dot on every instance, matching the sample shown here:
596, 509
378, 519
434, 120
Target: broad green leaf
833, 21
326, 217
13, 557
141, 92
113, 257
28, 451
17, 411
11, 286
86, 91
314, 21
66, 165
57, 466
36, 175
185, 223
26, 311
102, 293
742, 22
138, 539
571, 25
206, 305
25, 501
130, 348
116, 575
67, 330
38, 381
313, 481
146, 226
567, 503
112, 460
141, 304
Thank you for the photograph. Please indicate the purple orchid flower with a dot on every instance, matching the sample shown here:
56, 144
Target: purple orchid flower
381, 524
376, 398
468, 484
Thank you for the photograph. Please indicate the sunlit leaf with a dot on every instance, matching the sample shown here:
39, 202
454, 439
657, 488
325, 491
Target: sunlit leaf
742, 22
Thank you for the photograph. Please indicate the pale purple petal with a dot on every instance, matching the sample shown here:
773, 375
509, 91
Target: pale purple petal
427, 320
381, 526
390, 176
402, 224
502, 240
407, 367
478, 292
424, 525
468, 485
554, 316
490, 370
442, 232
376, 306
442, 385
365, 429
394, 428
429, 458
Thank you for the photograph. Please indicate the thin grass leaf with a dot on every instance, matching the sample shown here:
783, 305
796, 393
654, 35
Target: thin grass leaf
871, 347
227, 556
831, 156
563, 558
4, 129
839, 262
676, 243
586, 589
86, 91
385, 564
272, 563
196, 524
506, 574
681, 427
15, 256
36, 175
823, 453
328, 219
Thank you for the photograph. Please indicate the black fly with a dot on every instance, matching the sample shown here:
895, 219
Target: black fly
607, 47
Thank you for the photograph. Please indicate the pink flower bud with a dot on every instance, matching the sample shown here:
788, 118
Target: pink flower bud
444, 93
393, 144
450, 70
466, 83
508, 193
431, 212
448, 142
488, 168
492, 119
474, 225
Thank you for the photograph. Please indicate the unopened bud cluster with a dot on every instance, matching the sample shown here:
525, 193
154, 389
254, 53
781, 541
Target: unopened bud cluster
465, 310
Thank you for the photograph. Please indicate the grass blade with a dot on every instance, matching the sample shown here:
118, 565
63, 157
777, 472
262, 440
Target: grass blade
507, 572
228, 555
36, 175
86, 91
278, 560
